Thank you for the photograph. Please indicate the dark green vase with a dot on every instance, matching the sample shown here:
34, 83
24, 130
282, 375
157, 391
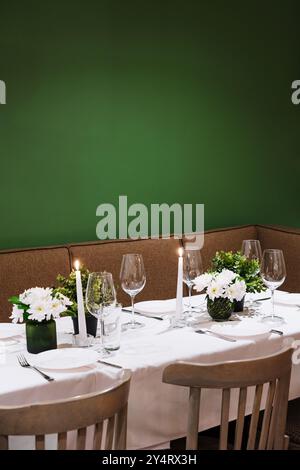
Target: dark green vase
219, 309
91, 325
40, 336
238, 305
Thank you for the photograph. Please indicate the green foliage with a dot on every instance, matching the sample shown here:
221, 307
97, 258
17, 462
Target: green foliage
67, 287
245, 268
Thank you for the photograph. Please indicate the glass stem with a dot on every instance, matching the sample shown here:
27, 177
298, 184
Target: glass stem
273, 306
132, 310
102, 331
190, 298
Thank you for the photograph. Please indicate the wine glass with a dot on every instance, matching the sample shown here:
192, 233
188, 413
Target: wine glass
252, 250
133, 280
100, 294
273, 273
192, 268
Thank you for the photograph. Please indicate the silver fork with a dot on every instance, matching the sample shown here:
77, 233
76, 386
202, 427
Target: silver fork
24, 363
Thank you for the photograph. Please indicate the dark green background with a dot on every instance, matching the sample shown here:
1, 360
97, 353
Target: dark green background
165, 101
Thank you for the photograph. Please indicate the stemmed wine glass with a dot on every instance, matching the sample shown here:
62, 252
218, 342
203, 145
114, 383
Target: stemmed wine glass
273, 273
252, 250
100, 294
192, 268
133, 280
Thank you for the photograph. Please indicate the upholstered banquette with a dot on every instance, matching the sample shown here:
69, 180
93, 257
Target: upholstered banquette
24, 268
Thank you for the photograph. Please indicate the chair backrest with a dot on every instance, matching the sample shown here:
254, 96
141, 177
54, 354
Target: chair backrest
107, 410
273, 372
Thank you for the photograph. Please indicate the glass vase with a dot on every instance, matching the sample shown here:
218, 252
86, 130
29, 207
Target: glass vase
219, 309
40, 336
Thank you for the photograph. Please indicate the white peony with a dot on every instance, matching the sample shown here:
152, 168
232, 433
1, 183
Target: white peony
202, 281
215, 290
17, 314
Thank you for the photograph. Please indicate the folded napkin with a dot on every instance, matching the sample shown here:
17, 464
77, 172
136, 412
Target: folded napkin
288, 299
154, 308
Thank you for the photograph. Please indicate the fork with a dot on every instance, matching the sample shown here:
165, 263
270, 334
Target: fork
24, 363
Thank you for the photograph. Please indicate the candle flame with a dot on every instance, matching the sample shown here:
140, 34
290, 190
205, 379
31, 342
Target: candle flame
180, 251
77, 265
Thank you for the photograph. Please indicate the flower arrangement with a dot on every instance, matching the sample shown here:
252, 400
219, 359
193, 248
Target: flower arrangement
38, 304
224, 284
247, 269
223, 290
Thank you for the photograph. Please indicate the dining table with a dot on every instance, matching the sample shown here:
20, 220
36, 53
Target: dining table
157, 412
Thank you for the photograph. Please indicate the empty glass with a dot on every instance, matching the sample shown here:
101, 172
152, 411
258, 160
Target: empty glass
192, 267
252, 250
273, 273
133, 280
112, 327
100, 295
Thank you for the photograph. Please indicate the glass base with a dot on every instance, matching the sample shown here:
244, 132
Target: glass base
273, 319
132, 325
178, 323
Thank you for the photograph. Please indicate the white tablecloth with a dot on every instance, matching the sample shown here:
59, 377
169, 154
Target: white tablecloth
157, 411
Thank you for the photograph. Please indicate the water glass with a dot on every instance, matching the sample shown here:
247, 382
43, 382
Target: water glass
112, 327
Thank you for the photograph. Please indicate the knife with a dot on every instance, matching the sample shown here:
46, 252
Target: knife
141, 314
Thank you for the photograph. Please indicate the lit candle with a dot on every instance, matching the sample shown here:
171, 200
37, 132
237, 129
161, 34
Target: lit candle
80, 306
179, 293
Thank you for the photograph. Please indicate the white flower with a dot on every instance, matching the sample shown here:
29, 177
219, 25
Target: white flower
64, 300
56, 307
35, 294
215, 290
42, 305
17, 314
201, 282
236, 291
40, 310
225, 277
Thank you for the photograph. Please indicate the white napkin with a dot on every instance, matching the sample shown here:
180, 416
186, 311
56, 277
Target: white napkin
288, 299
154, 308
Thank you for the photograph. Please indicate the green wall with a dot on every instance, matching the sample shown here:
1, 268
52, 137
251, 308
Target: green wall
165, 101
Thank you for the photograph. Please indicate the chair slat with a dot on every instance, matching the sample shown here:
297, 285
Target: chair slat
240, 418
81, 438
40, 442
267, 416
254, 417
3, 442
110, 433
281, 411
193, 419
62, 441
224, 419
98, 436
121, 427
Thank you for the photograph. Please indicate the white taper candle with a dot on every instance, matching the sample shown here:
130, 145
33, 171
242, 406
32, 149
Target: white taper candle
80, 305
179, 293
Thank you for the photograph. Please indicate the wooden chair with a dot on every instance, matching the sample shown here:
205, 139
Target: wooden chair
272, 372
106, 410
